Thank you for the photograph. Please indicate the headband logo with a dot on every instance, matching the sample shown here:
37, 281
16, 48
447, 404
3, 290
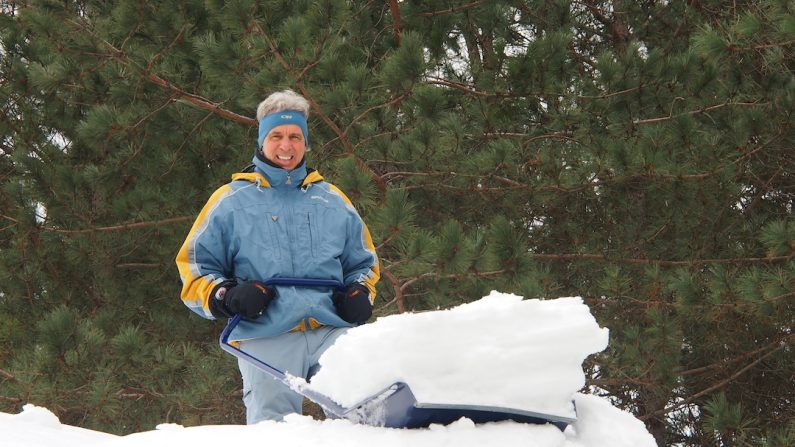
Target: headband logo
286, 117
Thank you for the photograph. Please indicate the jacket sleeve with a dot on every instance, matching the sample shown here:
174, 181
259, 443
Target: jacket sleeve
359, 260
203, 260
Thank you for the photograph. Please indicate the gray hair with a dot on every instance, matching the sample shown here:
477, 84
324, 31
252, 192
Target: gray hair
283, 100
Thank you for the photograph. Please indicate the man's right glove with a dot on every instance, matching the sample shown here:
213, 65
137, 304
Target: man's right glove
248, 300
353, 304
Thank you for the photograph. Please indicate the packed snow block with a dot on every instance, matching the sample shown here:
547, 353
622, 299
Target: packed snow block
470, 355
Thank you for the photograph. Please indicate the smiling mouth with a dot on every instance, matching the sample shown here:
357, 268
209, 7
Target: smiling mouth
284, 157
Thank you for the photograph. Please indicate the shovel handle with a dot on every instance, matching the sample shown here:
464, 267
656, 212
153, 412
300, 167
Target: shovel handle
304, 282
327, 403
281, 281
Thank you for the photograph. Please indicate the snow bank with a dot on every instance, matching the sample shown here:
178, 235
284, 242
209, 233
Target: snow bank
39, 427
500, 351
600, 425
304, 431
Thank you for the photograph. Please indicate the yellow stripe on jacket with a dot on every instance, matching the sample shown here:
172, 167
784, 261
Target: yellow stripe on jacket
195, 287
375, 275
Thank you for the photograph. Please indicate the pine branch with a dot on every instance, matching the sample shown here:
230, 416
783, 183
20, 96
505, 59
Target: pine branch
191, 98
135, 393
416, 174
514, 185
201, 102
618, 31
394, 10
51, 270
763, 191
392, 101
11, 123
659, 262
361, 116
122, 227
698, 112
178, 151
139, 265
160, 53
766, 46
434, 275
399, 299
454, 10
459, 86
433, 80
145, 118
392, 235
778, 297
776, 346
725, 362
5, 375
610, 95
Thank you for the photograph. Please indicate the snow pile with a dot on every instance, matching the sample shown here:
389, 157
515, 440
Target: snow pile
498, 351
38, 427
501, 350
599, 425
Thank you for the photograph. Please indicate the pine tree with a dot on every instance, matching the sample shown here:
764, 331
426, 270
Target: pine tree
91, 226
637, 154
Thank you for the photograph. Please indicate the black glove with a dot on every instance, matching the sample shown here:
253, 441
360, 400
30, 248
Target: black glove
353, 304
249, 299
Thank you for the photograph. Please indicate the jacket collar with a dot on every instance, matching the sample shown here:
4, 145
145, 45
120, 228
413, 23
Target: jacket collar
279, 177
270, 176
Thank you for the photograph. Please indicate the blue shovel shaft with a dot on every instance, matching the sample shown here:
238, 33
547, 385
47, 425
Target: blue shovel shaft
324, 401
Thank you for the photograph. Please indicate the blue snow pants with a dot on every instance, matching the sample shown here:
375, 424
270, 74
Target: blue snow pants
294, 352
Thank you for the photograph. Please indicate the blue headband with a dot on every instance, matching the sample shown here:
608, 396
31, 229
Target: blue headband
276, 119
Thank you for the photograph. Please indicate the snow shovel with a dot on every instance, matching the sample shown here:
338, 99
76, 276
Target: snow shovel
395, 406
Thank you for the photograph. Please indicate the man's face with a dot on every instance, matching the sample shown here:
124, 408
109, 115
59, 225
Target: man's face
285, 146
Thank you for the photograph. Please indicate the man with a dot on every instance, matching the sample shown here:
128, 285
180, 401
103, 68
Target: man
279, 219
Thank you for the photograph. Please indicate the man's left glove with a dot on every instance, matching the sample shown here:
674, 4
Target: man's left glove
248, 300
353, 304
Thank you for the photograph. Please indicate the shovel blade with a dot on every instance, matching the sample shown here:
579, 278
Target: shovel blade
397, 407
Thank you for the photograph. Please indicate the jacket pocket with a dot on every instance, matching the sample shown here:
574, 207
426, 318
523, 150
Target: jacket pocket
308, 237
326, 230
314, 235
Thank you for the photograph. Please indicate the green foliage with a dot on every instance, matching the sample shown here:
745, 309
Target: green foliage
779, 237
636, 154
403, 68
356, 182
726, 420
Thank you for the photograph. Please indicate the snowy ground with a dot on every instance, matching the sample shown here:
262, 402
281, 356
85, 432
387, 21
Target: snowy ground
500, 351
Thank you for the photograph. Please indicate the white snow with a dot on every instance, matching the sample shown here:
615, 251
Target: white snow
470, 355
500, 350
38, 427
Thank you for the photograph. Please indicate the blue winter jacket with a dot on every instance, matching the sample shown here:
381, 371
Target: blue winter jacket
274, 223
